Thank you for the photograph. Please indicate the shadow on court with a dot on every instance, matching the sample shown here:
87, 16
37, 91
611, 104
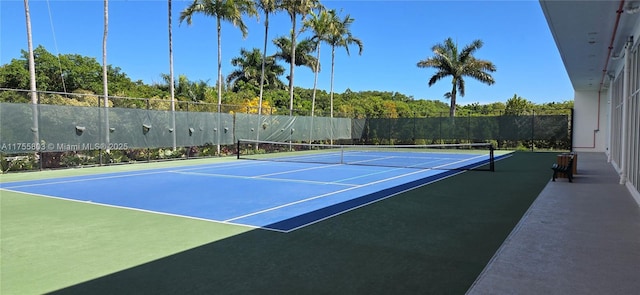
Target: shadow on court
433, 239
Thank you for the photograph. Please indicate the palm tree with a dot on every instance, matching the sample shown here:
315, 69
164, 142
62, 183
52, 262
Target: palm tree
32, 76
449, 62
295, 8
251, 71
227, 10
340, 37
222, 10
303, 58
268, 7
320, 24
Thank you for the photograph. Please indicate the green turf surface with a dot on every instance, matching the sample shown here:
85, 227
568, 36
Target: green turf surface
432, 240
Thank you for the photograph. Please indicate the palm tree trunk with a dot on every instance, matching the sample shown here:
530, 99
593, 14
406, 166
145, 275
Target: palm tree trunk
313, 96
264, 57
171, 86
264, 60
219, 29
105, 84
292, 65
333, 62
315, 81
32, 78
452, 108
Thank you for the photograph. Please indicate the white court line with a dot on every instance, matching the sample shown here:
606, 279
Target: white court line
298, 170
140, 210
429, 159
373, 159
266, 179
122, 175
221, 165
85, 179
311, 156
321, 196
374, 173
336, 192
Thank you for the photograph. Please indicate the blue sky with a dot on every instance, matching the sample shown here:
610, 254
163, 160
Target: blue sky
396, 35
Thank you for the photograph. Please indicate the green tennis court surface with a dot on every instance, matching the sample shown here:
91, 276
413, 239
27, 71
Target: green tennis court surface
433, 239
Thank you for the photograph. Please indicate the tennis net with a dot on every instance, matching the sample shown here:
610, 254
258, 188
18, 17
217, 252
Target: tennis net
466, 156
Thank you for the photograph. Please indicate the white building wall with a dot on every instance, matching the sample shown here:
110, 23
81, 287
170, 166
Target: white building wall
590, 121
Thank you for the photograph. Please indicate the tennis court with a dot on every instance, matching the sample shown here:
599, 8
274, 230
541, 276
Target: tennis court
434, 239
282, 194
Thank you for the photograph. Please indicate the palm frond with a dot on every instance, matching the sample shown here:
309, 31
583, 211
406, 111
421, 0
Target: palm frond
304, 50
437, 77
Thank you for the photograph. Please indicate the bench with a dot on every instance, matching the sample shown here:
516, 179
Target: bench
565, 168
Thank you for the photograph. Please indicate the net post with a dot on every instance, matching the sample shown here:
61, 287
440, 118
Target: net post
491, 159
238, 150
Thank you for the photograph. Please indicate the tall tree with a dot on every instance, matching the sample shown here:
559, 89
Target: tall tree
303, 58
32, 75
448, 61
251, 71
268, 7
296, 8
321, 26
80, 73
341, 36
223, 10
517, 105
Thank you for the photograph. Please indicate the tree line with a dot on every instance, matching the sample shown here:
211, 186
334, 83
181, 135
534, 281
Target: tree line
82, 76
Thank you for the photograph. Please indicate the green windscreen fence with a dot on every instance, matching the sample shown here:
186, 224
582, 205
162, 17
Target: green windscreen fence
17, 130
549, 128
286, 128
72, 128
55, 128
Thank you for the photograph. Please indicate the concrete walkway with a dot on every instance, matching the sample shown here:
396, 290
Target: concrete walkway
576, 238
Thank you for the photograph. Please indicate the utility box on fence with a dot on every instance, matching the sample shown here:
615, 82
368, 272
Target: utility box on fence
563, 160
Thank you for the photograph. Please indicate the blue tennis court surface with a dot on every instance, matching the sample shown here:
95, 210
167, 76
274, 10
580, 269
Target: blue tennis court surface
281, 196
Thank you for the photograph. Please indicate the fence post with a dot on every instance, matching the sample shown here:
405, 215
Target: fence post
100, 127
440, 128
469, 127
390, 120
533, 128
414, 132
499, 119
